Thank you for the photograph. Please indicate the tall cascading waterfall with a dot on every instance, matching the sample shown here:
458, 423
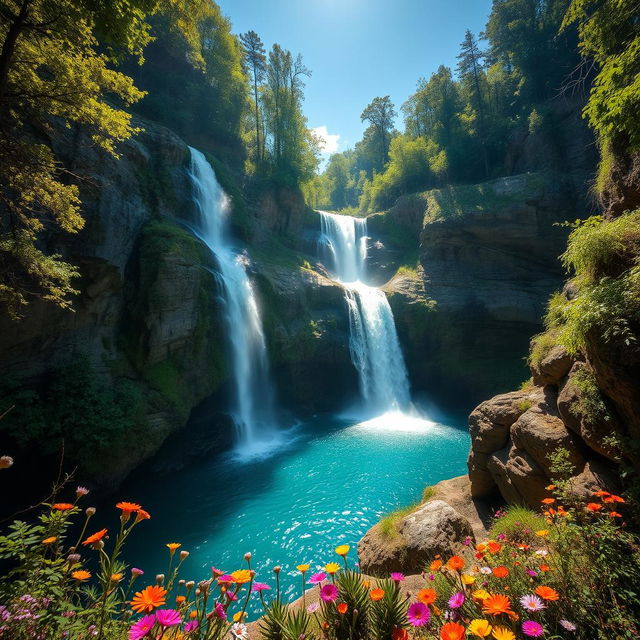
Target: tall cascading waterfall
253, 407
374, 345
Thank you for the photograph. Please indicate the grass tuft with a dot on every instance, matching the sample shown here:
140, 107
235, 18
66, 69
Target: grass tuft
518, 523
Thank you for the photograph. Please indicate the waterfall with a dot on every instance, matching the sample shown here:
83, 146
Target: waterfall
375, 349
253, 407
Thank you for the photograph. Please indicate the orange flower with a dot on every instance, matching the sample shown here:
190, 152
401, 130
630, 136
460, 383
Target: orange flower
435, 565
452, 631
496, 605
594, 506
180, 599
494, 547
148, 599
427, 596
601, 494
547, 593
128, 507
548, 500
377, 594
62, 506
615, 514
142, 515
613, 498
81, 575
481, 547
399, 633
342, 608
500, 572
242, 576
95, 537
172, 546
116, 577
456, 563
49, 540
545, 567
193, 614
551, 487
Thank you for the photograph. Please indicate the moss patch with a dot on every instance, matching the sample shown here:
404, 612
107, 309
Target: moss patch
388, 525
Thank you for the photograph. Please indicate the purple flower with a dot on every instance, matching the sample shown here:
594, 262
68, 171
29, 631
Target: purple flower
137, 572
317, 577
220, 612
329, 592
502, 537
532, 603
168, 617
260, 586
190, 626
397, 576
418, 614
456, 600
532, 628
141, 628
467, 541
532, 573
569, 626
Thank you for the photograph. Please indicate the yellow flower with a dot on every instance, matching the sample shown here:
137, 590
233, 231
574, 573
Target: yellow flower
332, 567
542, 533
480, 594
238, 616
480, 628
49, 540
172, 546
502, 633
303, 568
241, 576
467, 579
343, 549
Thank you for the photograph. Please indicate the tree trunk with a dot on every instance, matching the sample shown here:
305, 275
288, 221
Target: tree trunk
9, 46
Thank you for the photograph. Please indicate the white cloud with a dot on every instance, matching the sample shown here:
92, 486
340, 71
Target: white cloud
329, 142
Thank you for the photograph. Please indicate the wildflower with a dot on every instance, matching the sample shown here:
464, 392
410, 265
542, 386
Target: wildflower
543, 533
332, 567
542, 552
452, 631
128, 507
418, 614
220, 612
225, 579
116, 577
317, 577
160, 579
532, 573
172, 546
544, 567
467, 579
329, 592
548, 500
399, 633
500, 572
456, 563
532, 603
313, 607
238, 616
342, 608
593, 507
613, 498
601, 494
494, 547
615, 514
180, 599
467, 541
49, 540
551, 487
232, 597
496, 605
547, 593
532, 628
426, 596
502, 633
480, 628
435, 565
6, 462
81, 575
303, 568
136, 572
142, 627
480, 594
456, 600
485, 570
90, 512
342, 550
396, 576
216, 572
183, 555
142, 515
95, 537
168, 617
565, 624
148, 599
242, 576
191, 626
277, 569
239, 631
62, 506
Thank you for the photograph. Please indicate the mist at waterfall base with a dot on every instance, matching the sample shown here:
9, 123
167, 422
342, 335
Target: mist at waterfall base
323, 483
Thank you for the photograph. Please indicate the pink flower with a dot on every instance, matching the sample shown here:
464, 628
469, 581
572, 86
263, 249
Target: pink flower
532, 573
532, 603
191, 626
141, 628
313, 607
232, 597
137, 572
168, 617
225, 579
216, 572
317, 577
397, 577
418, 614
532, 628
569, 626
81, 491
220, 612
456, 600
329, 592
260, 586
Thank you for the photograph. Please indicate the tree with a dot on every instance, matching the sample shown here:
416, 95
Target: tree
380, 113
256, 62
470, 67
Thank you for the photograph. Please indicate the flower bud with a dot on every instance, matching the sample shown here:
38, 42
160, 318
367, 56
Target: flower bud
73, 558
90, 511
197, 592
160, 578
181, 583
6, 462
247, 556
184, 555
276, 570
190, 585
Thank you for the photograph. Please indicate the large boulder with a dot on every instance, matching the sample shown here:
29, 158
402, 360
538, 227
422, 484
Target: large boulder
435, 528
553, 367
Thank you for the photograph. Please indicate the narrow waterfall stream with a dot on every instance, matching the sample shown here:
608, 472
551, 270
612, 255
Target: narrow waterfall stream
375, 350
253, 407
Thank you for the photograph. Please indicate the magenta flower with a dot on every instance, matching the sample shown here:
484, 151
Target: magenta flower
168, 617
532, 573
467, 541
231, 596
317, 577
329, 592
418, 614
397, 576
456, 600
141, 628
532, 628
191, 626
532, 603
137, 572
225, 579
216, 572
260, 586
220, 612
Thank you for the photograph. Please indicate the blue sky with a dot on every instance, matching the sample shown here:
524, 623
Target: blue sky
359, 49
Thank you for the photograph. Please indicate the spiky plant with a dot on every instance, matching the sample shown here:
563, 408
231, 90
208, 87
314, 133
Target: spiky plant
273, 623
387, 614
296, 625
351, 624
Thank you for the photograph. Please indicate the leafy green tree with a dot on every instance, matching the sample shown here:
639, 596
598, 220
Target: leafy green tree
256, 62
380, 113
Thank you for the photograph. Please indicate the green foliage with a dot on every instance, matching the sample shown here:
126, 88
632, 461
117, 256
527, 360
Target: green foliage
541, 345
590, 405
388, 614
518, 523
